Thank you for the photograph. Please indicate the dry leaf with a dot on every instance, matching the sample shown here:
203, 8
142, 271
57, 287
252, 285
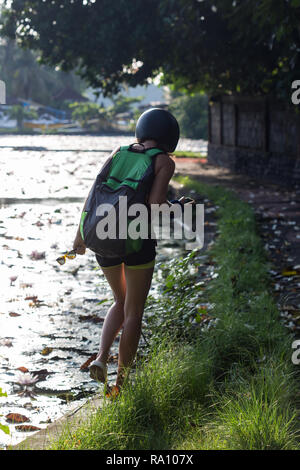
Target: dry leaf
113, 358
16, 418
93, 318
46, 351
14, 314
112, 392
27, 428
286, 272
23, 369
32, 297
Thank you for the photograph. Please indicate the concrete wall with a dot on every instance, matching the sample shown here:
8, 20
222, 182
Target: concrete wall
255, 136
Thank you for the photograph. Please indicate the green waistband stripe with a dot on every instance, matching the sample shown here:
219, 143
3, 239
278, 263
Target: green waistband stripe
83, 216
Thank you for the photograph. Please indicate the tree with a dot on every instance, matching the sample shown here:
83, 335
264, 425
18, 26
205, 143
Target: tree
26, 79
83, 112
122, 104
102, 118
20, 113
273, 25
191, 114
220, 46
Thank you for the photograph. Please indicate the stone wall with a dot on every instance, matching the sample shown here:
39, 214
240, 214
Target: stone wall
255, 136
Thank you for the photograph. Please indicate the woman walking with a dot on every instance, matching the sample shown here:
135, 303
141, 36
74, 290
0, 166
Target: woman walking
130, 276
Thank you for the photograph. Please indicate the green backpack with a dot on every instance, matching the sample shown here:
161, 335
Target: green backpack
129, 173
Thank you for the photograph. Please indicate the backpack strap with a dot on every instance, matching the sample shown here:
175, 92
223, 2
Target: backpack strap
152, 151
131, 148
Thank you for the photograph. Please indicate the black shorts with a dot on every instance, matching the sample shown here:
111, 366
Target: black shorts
146, 256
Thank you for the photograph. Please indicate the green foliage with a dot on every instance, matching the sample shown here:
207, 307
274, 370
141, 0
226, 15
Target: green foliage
176, 306
88, 113
192, 115
26, 78
218, 46
188, 154
228, 387
85, 111
256, 412
3, 427
20, 113
122, 104
147, 413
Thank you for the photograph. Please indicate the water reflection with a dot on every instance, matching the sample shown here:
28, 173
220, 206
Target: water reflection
50, 315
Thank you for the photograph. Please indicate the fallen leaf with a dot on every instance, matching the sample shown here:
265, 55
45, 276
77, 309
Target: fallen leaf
35, 302
22, 369
32, 297
14, 314
93, 318
27, 428
46, 351
113, 358
16, 418
289, 273
112, 392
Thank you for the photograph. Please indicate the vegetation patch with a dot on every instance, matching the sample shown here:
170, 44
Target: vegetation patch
218, 371
187, 154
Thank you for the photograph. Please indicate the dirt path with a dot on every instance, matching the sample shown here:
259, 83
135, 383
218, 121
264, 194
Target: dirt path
278, 214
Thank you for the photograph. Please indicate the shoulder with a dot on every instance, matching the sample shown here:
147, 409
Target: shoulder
164, 162
116, 150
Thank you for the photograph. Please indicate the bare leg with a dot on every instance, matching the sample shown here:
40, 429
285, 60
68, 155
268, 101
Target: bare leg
115, 316
138, 282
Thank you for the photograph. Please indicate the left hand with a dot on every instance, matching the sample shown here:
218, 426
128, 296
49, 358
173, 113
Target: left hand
79, 245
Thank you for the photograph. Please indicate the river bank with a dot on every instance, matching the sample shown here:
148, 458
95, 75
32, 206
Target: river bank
218, 375
274, 244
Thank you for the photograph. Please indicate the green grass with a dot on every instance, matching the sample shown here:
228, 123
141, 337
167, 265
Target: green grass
232, 386
188, 154
150, 410
253, 413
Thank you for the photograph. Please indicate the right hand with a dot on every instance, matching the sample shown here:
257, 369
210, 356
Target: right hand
185, 200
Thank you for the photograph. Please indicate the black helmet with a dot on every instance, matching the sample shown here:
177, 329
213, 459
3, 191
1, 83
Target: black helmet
160, 125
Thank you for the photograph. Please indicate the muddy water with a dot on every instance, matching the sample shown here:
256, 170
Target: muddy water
50, 316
